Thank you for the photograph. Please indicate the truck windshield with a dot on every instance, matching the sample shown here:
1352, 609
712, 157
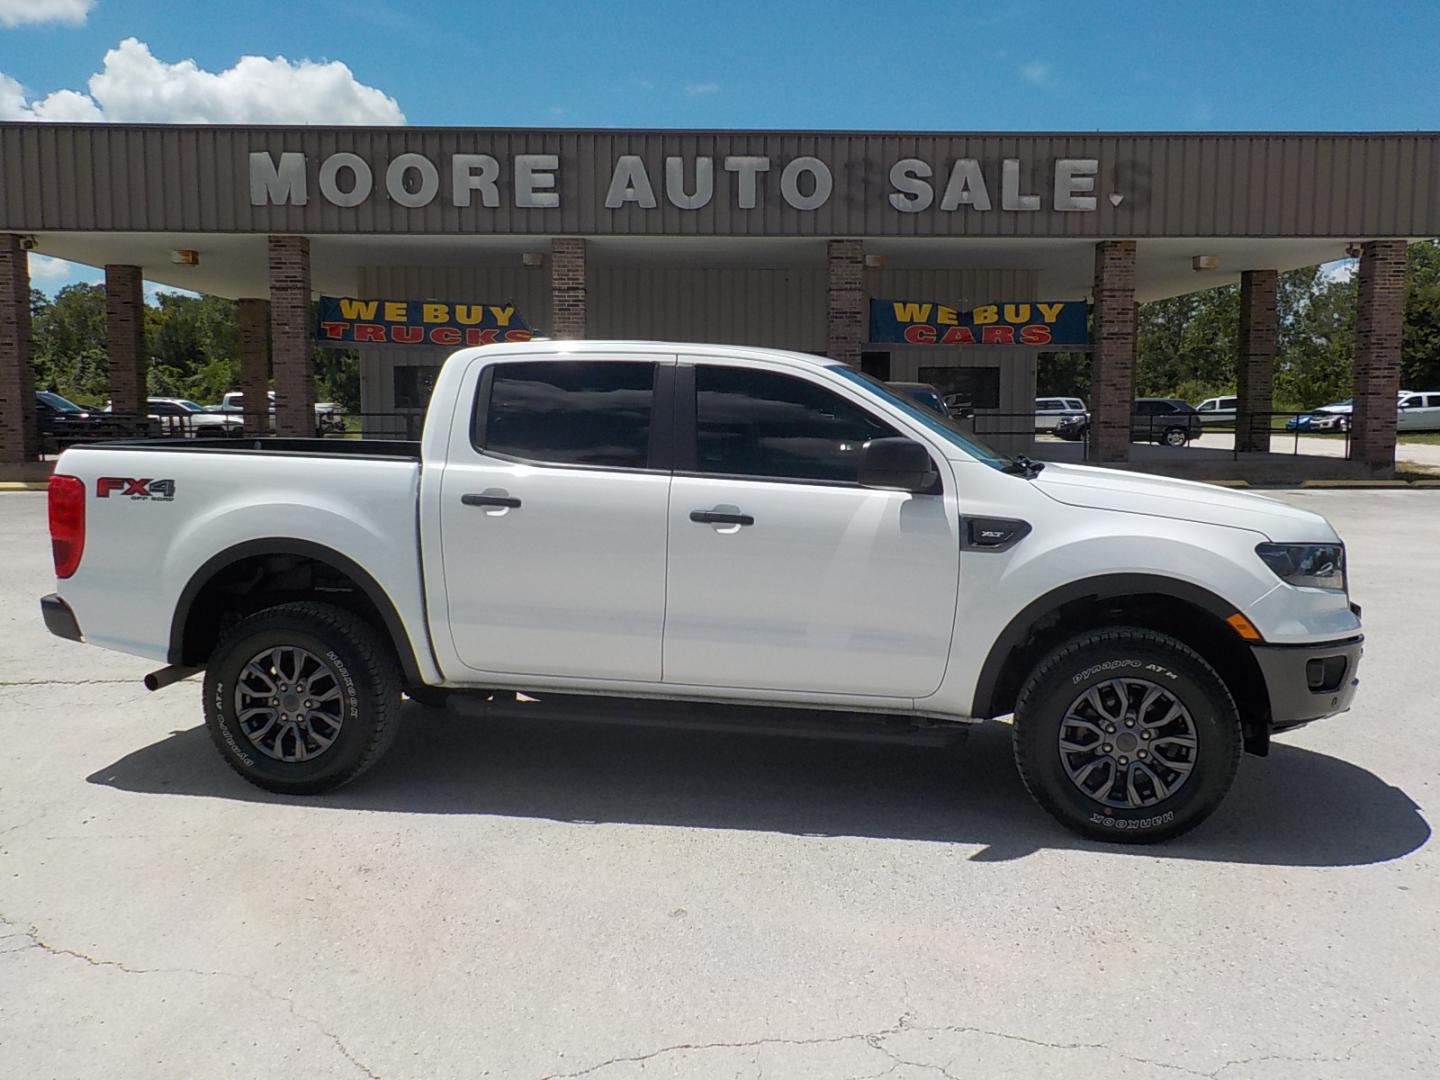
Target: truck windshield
945, 427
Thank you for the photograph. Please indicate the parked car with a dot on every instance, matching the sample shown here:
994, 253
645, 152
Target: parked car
329, 416
1049, 411
1333, 417
1161, 420
923, 394
1218, 410
59, 416
1419, 411
792, 537
181, 416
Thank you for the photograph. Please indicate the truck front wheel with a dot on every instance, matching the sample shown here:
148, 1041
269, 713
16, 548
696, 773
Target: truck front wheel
1127, 735
302, 697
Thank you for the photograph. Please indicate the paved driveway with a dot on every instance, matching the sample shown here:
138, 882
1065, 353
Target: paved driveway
562, 900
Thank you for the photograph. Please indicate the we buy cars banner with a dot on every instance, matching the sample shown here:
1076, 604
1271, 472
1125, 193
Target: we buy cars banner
912, 322
344, 321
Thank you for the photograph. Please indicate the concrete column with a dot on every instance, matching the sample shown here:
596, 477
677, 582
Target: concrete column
1112, 363
125, 339
1379, 323
845, 328
19, 440
253, 318
1255, 364
290, 337
567, 287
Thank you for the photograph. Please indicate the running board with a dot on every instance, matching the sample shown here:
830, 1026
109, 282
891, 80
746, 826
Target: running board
711, 716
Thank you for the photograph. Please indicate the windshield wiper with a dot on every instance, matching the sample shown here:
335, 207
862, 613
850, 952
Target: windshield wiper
1020, 465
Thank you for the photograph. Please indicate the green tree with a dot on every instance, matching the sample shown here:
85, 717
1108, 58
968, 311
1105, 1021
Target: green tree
67, 344
1420, 346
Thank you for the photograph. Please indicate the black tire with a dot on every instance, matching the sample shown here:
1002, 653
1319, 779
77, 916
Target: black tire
1046, 713
1174, 437
360, 667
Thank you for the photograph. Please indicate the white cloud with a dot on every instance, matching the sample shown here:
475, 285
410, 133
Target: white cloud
50, 275
702, 88
1339, 270
19, 12
133, 86
1035, 72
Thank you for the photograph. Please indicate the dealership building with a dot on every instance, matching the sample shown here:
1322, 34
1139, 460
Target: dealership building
959, 259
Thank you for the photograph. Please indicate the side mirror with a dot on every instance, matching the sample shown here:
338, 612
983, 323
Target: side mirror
897, 463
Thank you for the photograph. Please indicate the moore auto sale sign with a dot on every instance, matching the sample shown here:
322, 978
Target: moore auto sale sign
805, 182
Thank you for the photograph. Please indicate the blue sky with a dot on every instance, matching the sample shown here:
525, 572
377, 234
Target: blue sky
1221, 65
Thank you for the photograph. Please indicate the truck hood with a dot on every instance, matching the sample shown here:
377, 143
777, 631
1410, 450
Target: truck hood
1182, 500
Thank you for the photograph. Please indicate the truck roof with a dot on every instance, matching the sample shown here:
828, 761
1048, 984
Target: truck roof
551, 348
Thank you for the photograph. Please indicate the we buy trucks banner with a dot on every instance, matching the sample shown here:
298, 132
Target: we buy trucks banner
912, 322
345, 321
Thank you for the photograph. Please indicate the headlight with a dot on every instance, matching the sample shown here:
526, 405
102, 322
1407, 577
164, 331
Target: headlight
1309, 566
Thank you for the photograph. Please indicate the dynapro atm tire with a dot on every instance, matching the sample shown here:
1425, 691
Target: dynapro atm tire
1127, 735
301, 698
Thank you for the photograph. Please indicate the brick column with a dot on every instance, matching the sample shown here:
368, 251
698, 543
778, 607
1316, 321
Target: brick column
1379, 322
845, 300
1112, 361
1255, 365
19, 440
125, 339
253, 319
290, 337
567, 287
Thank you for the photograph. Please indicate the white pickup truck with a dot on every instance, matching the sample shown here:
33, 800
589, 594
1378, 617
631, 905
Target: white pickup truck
717, 526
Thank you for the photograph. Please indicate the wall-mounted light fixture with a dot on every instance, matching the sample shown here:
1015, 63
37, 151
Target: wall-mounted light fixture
1205, 262
185, 257
533, 258
1352, 250
874, 262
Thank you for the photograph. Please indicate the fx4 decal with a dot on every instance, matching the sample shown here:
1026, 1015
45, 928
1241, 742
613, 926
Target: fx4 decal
126, 487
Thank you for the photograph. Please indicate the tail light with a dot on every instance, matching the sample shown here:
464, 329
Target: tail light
67, 523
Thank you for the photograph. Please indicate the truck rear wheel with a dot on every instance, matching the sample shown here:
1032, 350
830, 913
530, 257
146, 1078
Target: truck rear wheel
302, 697
1127, 735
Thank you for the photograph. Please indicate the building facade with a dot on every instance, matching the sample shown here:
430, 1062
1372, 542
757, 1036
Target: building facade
784, 239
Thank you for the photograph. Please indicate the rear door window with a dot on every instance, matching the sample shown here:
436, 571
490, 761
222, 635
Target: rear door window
562, 412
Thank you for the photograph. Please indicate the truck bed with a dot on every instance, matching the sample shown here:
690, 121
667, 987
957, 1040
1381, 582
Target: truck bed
379, 449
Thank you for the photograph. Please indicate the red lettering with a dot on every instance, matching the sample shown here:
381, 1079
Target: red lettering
365, 331
519, 335
920, 334
407, 335
444, 335
475, 336
1034, 334
998, 335
137, 487
334, 329
958, 335
106, 484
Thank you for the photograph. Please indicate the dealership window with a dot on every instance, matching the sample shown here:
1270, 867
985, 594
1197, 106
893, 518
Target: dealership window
979, 386
413, 385
570, 413
758, 423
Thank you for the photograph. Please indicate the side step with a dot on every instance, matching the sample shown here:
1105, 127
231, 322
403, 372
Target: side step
710, 716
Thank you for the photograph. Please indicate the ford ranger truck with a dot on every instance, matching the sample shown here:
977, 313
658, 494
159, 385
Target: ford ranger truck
718, 526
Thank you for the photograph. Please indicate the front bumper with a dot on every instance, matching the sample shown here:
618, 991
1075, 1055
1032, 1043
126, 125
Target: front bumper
59, 619
1309, 682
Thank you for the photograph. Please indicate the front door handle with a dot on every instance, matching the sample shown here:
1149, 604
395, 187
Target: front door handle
490, 500
720, 517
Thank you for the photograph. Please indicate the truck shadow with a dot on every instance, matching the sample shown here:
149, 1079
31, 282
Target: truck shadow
1294, 808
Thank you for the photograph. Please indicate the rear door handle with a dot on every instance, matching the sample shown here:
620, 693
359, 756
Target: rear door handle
720, 517
490, 500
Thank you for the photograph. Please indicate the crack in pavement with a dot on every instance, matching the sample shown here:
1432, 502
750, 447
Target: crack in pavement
35, 941
875, 1040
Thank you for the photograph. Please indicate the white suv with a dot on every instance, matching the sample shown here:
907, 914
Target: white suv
1218, 410
1049, 411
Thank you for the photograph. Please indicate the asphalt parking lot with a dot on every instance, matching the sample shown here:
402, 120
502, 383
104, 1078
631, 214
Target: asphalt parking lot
560, 900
